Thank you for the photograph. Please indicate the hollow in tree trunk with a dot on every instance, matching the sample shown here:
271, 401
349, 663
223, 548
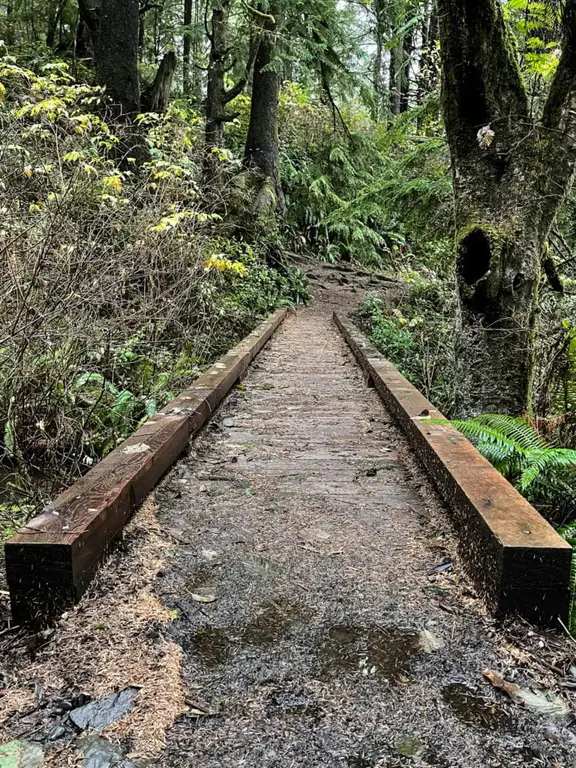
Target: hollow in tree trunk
510, 174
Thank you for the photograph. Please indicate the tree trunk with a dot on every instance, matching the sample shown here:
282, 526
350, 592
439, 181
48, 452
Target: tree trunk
426, 74
55, 10
186, 58
510, 175
215, 96
142, 37
88, 29
117, 70
378, 61
406, 71
218, 96
396, 70
261, 152
157, 96
117, 54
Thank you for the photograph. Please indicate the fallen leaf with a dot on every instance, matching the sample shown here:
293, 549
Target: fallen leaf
138, 448
540, 703
429, 642
203, 598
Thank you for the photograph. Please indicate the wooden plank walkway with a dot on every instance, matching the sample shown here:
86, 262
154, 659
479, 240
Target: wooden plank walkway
324, 619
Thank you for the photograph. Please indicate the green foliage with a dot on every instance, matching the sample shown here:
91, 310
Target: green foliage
416, 333
363, 193
546, 475
118, 286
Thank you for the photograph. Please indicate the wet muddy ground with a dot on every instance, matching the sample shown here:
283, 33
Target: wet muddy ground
323, 621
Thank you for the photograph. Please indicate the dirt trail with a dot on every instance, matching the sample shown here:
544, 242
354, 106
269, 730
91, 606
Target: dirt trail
322, 621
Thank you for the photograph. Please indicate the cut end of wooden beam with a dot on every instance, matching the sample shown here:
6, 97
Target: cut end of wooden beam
515, 557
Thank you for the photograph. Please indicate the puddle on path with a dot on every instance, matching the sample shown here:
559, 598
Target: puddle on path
214, 646
210, 644
273, 620
385, 652
475, 710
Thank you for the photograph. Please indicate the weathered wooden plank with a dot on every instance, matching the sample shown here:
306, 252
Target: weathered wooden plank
52, 559
515, 557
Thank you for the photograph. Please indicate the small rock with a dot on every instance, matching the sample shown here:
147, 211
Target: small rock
429, 642
21, 754
98, 715
100, 753
228, 423
409, 746
57, 733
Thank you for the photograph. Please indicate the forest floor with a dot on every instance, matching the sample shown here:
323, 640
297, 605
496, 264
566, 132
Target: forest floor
291, 596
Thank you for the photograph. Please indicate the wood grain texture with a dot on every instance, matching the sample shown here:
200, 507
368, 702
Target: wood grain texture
515, 557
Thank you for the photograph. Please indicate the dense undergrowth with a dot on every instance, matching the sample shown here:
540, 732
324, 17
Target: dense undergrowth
118, 287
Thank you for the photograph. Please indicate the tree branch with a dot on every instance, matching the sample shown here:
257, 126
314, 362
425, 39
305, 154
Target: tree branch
149, 7
559, 109
237, 89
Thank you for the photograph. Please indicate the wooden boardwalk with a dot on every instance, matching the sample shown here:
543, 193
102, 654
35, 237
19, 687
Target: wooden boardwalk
338, 635
291, 596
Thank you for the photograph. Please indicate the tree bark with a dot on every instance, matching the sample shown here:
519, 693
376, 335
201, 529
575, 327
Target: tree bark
88, 29
117, 54
186, 57
510, 174
217, 96
405, 82
381, 84
157, 97
261, 151
426, 74
396, 71
117, 70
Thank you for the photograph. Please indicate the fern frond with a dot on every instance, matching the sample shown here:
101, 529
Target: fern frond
514, 428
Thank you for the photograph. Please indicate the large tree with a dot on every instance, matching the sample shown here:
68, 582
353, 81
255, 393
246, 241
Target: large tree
220, 63
511, 171
261, 151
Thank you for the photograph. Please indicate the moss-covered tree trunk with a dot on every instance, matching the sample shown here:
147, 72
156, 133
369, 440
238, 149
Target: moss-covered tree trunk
217, 95
510, 174
261, 152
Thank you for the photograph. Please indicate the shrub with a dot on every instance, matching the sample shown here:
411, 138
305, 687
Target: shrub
118, 287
